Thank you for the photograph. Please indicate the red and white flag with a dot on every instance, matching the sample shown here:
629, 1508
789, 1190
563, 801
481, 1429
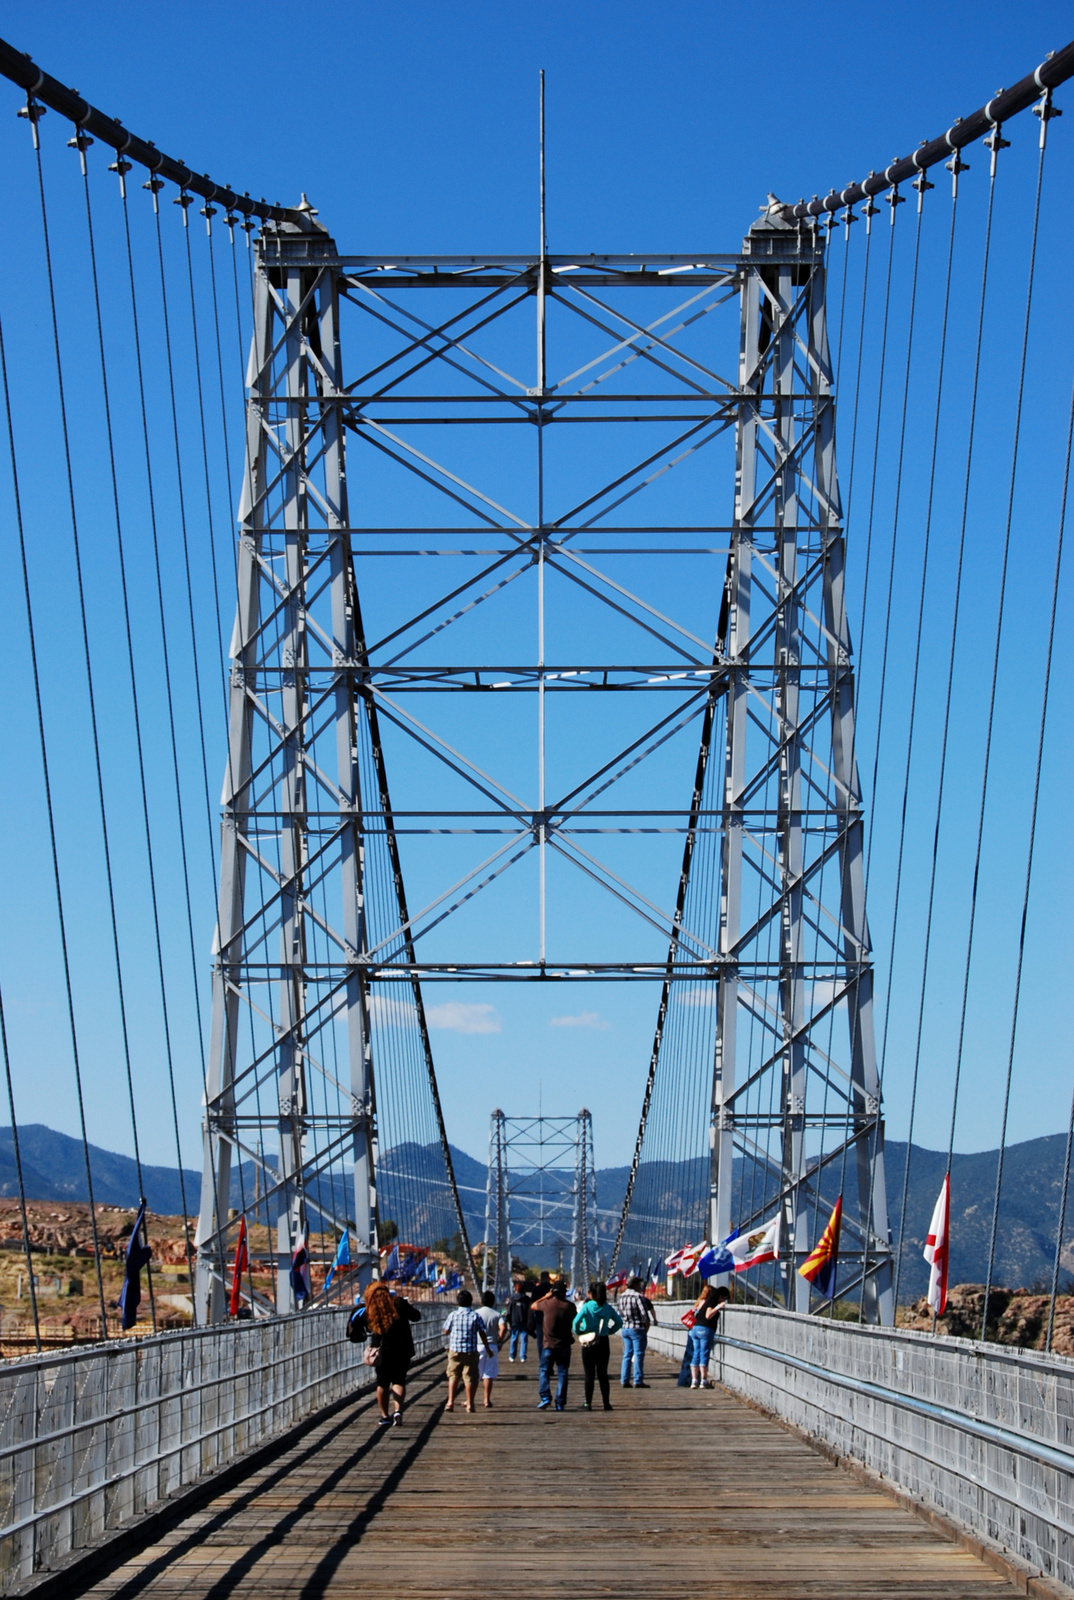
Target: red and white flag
690, 1257
936, 1249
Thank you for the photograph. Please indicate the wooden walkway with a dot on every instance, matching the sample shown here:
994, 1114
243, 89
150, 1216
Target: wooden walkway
674, 1493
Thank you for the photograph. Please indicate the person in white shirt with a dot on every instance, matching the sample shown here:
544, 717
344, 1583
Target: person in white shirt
488, 1361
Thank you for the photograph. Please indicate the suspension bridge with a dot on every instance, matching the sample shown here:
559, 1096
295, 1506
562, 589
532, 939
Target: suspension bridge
540, 634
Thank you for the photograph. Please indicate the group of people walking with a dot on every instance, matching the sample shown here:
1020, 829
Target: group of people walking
476, 1334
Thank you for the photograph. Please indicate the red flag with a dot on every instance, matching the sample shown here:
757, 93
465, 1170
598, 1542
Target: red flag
937, 1246
242, 1263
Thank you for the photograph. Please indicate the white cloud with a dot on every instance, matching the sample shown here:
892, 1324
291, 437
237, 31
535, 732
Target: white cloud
585, 1019
458, 1017
391, 1012
706, 996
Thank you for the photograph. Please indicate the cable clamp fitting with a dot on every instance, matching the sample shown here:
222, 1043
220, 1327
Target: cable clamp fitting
1044, 110
33, 111
81, 142
121, 166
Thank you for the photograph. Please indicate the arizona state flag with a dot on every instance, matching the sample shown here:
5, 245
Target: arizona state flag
819, 1267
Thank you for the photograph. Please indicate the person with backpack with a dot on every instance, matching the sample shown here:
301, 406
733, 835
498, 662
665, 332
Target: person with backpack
391, 1347
593, 1326
517, 1317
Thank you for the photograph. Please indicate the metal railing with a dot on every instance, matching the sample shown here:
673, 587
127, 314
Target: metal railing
981, 1433
92, 1439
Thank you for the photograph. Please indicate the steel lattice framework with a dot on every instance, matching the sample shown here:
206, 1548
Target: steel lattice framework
765, 673
541, 1194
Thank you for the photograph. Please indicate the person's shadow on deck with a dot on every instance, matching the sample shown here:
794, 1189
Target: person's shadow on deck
227, 1582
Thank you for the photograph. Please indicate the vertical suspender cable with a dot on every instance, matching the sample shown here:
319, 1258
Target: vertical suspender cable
46, 776
1000, 616
107, 413
1040, 736
151, 492
1061, 1221
915, 683
966, 482
133, 677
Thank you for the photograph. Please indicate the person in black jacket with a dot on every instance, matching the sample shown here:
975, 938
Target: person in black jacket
388, 1318
517, 1317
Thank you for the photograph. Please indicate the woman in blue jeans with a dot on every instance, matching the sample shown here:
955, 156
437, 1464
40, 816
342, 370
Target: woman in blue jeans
703, 1333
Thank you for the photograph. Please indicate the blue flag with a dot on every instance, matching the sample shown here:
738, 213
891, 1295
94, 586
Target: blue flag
138, 1255
718, 1258
342, 1258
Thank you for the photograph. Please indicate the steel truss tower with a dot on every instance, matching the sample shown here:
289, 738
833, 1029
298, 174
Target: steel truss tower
504, 413
292, 936
541, 1193
796, 969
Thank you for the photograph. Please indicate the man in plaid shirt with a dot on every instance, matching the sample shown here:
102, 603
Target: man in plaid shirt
637, 1314
464, 1328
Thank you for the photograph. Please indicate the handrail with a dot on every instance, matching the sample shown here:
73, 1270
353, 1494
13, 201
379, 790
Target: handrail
21, 70
1055, 69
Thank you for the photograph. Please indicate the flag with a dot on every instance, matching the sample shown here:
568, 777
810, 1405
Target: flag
617, 1281
138, 1255
300, 1272
936, 1248
718, 1258
820, 1266
742, 1250
390, 1269
242, 1263
342, 1258
675, 1260
691, 1256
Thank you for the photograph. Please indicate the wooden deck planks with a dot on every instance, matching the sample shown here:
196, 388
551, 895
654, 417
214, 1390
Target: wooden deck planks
673, 1493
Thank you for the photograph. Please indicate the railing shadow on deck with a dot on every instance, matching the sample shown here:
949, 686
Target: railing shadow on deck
92, 1439
982, 1434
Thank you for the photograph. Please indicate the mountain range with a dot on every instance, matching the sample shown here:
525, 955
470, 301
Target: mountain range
54, 1168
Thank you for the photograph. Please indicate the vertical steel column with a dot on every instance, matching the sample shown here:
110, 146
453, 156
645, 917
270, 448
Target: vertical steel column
878, 1295
787, 648
493, 1180
290, 1068
219, 1119
782, 288
293, 698
736, 646
347, 647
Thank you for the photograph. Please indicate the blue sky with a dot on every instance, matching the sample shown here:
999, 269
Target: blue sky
412, 128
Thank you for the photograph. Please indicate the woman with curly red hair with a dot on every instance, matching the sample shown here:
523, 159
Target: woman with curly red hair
388, 1318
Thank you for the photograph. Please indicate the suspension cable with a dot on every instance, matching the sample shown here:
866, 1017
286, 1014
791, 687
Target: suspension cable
1000, 615
912, 729
1040, 736
152, 509
54, 849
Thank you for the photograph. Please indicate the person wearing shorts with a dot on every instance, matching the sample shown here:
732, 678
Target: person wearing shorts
466, 1334
488, 1366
